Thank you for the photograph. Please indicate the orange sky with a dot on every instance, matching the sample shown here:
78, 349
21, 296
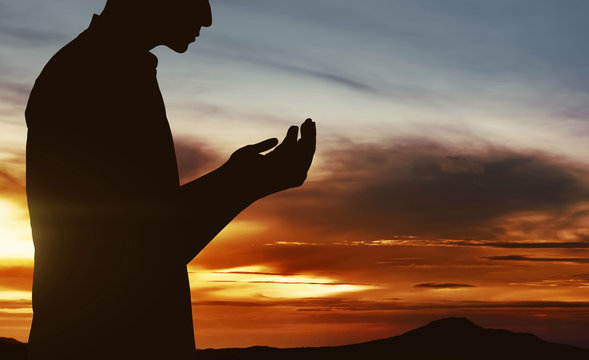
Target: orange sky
450, 179
352, 256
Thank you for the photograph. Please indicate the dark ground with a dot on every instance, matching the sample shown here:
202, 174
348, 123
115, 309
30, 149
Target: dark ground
451, 338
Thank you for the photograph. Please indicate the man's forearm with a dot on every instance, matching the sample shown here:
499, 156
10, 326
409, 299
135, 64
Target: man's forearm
207, 205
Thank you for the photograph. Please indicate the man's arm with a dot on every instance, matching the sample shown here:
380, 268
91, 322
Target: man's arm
209, 203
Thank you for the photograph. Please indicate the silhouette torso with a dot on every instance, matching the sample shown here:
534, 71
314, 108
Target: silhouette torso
102, 185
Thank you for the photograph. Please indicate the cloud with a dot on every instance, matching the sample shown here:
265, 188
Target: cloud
442, 285
15, 304
322, 75
394, 305
194, 158
537, 259
299, 283
12, 174
27, 37
421, 188
571, 281
11, 90
584, 276
524, 245
536, 245
11, 183
421, 242
466, 243
253, 273
16, 277
282, 282
13, 96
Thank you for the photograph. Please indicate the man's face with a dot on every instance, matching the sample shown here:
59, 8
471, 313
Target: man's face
180, 22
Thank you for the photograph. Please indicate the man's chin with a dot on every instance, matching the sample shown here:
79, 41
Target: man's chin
179, 47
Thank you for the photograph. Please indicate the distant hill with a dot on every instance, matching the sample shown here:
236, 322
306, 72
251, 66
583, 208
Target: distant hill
446, 339
450, 338
12, 349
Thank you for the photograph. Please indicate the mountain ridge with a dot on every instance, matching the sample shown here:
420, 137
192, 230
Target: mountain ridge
453, 338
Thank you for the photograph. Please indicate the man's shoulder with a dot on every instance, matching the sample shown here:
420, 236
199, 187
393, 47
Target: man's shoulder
84, 70
77, 60
88, 75
68, 75
89, 61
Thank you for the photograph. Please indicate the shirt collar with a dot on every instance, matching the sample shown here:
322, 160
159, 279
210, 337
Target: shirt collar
108, 35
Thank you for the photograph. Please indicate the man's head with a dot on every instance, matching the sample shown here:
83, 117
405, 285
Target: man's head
173, 23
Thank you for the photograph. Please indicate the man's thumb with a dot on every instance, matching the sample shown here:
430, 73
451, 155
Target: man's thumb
262, 146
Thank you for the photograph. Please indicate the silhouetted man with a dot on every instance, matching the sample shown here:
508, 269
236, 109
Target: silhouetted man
112, 228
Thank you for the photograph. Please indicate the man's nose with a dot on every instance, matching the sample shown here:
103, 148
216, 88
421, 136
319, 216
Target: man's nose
206, 14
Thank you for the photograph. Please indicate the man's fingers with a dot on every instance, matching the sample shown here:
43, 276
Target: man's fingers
262, 146
291, 136
307, 143
308, 132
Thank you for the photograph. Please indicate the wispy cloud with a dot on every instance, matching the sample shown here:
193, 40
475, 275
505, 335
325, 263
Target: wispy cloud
532, 245
27, 37
424, 189
366, 305
442, 285
11, 184
15, 304
194, 158
337, 79
253, 273
318, 73
424, 242
572, 282
13, 97
301, 283
537, 259
16, 278
12, 175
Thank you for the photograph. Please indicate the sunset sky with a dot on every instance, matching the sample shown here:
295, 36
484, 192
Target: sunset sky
451, 176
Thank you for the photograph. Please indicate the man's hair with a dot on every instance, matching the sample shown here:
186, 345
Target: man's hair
128, 5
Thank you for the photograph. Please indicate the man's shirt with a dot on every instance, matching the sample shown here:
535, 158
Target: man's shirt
103, 188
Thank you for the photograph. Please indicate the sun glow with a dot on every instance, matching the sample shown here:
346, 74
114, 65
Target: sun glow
239, 228
264, 282
15, 231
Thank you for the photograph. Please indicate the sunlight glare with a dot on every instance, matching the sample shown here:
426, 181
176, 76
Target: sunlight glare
15, 231
239, 228
261, 281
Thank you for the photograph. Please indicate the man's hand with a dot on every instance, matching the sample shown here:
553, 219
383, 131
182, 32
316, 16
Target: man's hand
285, 167
209, 203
